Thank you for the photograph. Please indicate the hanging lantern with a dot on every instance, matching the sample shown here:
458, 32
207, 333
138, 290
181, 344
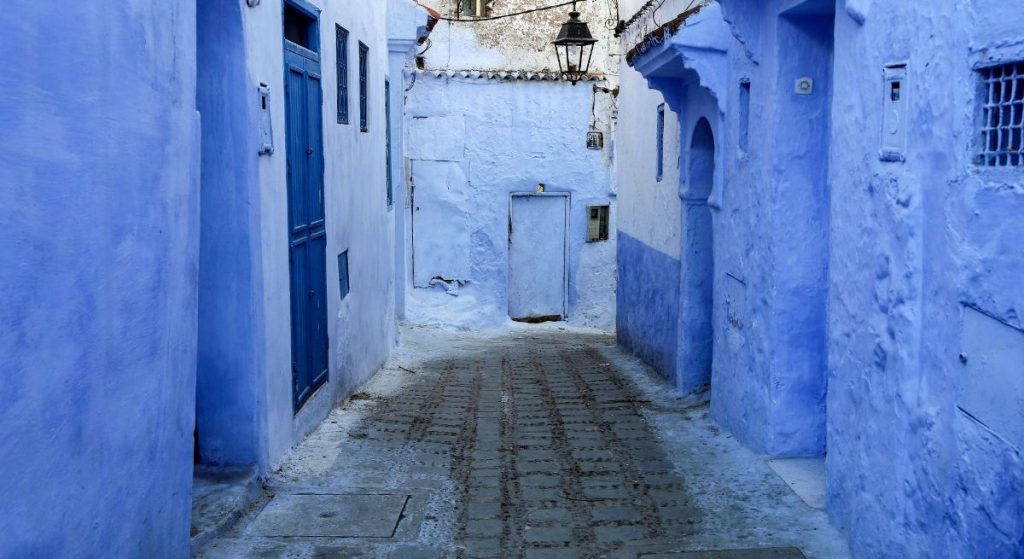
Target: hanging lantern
574, 47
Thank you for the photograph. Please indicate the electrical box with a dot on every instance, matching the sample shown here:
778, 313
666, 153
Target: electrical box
597, 224
266, 129
894, 113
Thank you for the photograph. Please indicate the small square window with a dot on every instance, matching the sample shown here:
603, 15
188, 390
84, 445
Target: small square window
476, 8
597, 223
1002, 116
343, 284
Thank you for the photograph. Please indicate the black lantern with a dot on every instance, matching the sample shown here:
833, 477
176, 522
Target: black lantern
574, 47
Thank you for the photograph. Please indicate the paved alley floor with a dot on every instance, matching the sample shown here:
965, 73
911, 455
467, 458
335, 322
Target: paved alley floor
535, 443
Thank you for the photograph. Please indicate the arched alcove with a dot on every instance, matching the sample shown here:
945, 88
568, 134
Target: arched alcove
698, 274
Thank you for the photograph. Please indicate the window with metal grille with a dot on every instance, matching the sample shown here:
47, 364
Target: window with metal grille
343, 284
1002, 118
364, 87
476, 8
341, 40
387, 141
661, 142
597, 224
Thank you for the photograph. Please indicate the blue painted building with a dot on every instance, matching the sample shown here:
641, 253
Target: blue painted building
99, 204
864, 279
200, 258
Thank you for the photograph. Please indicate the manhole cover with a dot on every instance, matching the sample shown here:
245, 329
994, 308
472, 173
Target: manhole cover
334, 515
764, 553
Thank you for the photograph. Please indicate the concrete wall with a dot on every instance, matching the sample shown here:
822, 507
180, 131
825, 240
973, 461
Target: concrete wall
472, 142
917, 465
99, 204
246, 270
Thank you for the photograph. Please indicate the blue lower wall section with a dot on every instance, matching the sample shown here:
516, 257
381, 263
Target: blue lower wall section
647, 304
230, 366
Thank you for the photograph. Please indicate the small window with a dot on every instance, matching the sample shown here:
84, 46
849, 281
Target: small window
1002, 118
387, 142
300, 28
343, 285
476, 8
364, 87
745, 115
341, 38
597, 224
661, 142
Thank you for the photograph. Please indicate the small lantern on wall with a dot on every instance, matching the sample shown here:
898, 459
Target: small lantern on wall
574, 47
595, 140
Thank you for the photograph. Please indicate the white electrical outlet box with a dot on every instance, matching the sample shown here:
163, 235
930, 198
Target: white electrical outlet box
896, 97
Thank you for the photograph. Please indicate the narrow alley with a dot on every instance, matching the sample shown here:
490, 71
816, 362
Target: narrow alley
539, 442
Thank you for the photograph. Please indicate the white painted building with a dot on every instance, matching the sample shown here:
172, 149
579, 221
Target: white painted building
297, 274
503, 183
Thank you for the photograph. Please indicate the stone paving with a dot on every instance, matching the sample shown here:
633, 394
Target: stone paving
523, 445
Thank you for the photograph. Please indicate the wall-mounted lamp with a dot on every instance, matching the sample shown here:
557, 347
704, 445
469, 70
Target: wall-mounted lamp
574, 47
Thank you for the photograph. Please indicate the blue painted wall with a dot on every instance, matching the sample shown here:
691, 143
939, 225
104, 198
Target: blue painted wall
230, 374
769, 207
647, 303
99, 207
914, 244
879, 273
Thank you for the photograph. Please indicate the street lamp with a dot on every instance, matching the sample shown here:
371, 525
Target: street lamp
574, 47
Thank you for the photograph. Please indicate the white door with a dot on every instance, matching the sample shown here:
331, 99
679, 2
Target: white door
538, 276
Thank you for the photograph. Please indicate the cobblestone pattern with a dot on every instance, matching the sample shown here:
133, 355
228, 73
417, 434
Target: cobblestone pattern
549, 451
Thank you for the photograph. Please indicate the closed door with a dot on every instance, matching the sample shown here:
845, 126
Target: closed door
538, 275
307, 237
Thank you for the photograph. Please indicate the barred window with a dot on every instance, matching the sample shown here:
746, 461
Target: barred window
364, 87
341, 40
1002, 119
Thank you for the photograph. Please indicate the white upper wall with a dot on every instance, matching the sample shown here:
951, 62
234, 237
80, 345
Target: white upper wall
516, 43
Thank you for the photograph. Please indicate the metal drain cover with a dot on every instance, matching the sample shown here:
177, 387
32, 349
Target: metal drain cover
763, 553
332, 515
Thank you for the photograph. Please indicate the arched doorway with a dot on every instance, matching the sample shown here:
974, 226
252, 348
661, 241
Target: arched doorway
698, 275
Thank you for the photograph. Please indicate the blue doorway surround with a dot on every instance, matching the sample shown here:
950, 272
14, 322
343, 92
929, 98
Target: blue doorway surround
306, 222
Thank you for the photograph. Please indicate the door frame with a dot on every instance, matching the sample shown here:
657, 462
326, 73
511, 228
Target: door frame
565, 242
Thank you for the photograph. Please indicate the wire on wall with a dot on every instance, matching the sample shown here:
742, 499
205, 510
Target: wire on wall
503, 16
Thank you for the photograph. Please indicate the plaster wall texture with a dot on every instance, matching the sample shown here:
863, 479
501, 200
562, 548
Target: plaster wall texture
471, 143
649, 241
517, 43
362, 328
915, 246
769, 207
99, 208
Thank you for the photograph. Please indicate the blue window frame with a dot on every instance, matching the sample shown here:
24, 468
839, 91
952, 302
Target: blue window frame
364, 87
661, 142
745, 115
343, 285
341, 40
387, 142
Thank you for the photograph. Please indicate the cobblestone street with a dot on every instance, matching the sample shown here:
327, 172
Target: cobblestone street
531, 444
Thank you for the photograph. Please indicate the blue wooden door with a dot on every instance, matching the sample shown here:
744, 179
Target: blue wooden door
307, 236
